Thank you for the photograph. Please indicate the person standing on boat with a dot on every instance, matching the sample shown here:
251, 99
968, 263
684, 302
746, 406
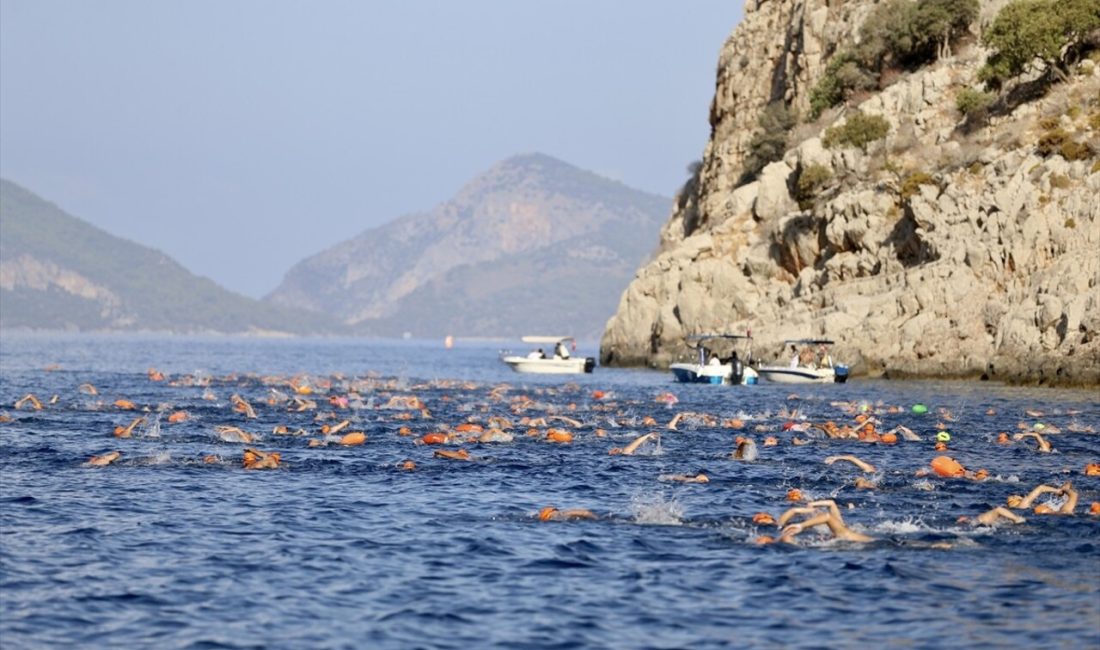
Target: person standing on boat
794, 356
560, 351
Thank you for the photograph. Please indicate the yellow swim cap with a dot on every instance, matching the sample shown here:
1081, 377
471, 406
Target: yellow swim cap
943, 436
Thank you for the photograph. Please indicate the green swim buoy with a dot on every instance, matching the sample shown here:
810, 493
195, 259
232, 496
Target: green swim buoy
920, 409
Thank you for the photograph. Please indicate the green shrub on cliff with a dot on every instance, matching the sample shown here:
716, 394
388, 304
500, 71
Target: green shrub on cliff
770, 142
858, 131
896, 33
843, 75
911, 184
1031, 35
969, 100
809, 182
1058, 141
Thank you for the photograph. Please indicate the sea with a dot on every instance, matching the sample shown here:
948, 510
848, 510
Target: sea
177, 545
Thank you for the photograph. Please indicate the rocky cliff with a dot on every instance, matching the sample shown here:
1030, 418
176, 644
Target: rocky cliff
533, 245
951, 247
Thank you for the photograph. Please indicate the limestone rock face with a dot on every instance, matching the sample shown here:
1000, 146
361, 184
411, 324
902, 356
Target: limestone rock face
938, 251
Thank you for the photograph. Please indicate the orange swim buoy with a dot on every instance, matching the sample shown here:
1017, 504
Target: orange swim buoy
125, 404
1094, 509
557, 435
178, 416
434, 439
467, 427
794, 494
353, 438
888, 438
947, 467
1092, 469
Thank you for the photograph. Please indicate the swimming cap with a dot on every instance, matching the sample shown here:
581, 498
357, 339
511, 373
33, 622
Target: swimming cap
920, 408
943, 436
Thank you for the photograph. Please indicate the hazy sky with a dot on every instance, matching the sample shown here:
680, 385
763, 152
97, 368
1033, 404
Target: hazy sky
242, 136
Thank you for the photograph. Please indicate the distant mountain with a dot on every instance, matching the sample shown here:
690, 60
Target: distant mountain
58, 272
533, 245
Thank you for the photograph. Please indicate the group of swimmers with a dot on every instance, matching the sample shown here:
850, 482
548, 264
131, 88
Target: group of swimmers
333, 404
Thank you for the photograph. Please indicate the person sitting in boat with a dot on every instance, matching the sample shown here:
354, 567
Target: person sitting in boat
560, 351
806, 356
536, 354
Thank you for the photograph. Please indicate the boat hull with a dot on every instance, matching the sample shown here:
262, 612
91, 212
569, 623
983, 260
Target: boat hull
800, 375
570, 366
694, 373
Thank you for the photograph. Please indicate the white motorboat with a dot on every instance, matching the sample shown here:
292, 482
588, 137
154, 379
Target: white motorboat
559, 362
807, 366
709, 368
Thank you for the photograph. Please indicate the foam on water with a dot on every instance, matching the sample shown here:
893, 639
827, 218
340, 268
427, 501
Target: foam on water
656, 509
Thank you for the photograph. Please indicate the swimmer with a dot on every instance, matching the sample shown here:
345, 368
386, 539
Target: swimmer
1067, 508
234, 434
335, 428
1044, 446
128, 430
704, 419
29, 398
242, 406
103, 460
630, 449
905, 432
495, 435
864, 484
746, 449
550, 513
991, 517
256, 459
832, 519
866, 467
460, 454
684, 478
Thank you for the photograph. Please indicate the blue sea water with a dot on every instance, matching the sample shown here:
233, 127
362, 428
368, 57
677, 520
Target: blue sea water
341, 549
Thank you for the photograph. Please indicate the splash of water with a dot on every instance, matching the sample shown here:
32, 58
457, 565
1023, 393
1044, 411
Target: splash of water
656, 510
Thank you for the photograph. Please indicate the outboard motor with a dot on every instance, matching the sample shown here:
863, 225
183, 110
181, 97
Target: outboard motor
841, 375
737, 372
589, 364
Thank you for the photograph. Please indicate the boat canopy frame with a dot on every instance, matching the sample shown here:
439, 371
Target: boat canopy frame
547, 339
809, 342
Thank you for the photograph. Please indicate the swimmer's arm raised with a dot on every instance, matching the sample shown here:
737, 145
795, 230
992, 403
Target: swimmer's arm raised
1035, 494
799, 510
834, 510
637, 442
1071, 499
863, 465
